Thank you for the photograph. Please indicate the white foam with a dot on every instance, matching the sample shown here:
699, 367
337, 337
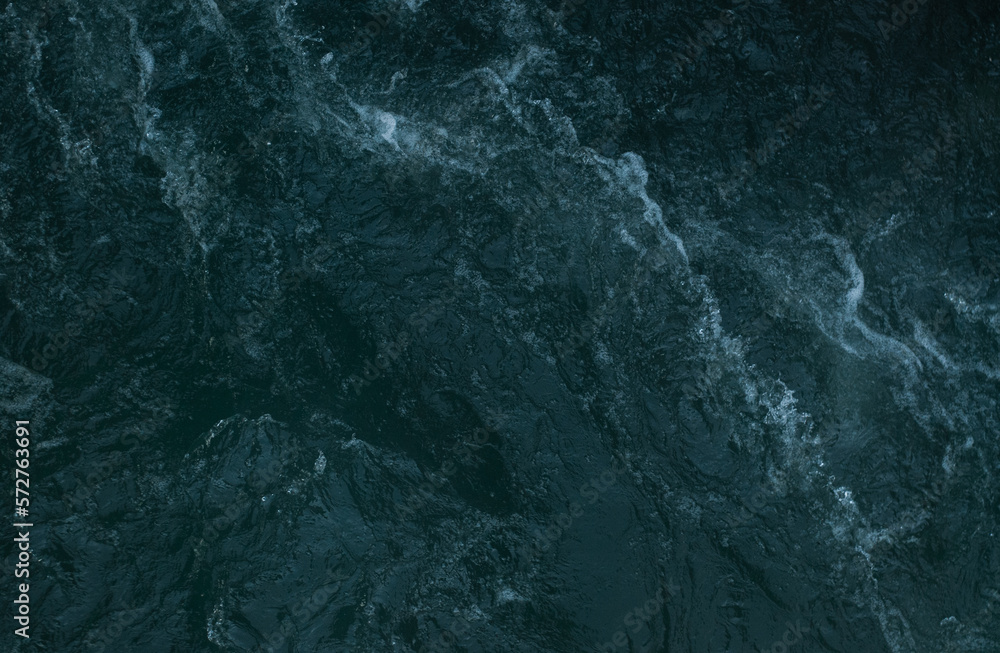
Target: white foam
631, 172
320, 465
388, 127
838, 325
507, 595
146, 61
921, 335
629, 240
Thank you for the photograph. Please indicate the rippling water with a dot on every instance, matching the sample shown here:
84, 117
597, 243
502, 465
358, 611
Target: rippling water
513, 326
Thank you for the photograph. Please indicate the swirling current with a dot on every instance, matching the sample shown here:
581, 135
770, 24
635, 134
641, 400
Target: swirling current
566, 325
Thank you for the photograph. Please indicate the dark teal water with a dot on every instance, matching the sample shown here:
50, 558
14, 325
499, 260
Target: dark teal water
513, 326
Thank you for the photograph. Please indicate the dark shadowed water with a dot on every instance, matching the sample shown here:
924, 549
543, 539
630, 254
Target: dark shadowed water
498, 327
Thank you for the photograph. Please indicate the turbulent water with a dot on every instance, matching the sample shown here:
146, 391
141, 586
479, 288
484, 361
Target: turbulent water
509, 326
